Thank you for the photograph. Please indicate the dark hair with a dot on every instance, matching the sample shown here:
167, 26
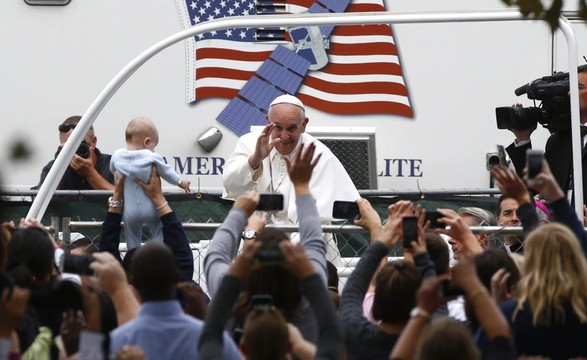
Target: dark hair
127, 262
31, 256
502, 197
332, 274
266, 336
154, 272
395, 292
486, 264
278, 282
4, 238
438, 252
491, 260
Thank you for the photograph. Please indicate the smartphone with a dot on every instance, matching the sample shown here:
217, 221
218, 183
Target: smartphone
534, 162
449, 290
502, 156
410, 230
433, 217
345, 210
270, 202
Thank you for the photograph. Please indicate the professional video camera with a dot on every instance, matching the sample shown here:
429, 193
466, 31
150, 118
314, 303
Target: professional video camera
553, 113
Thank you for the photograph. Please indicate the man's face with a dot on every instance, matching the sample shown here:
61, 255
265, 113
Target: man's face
457, 247
290, 123
508, 215
63, 136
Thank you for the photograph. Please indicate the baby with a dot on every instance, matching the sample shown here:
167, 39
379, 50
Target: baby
135, 162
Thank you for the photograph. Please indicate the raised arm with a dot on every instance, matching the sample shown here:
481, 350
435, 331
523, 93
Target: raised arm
173, 234
211, 344
330, 340
548, 187
224, 244
300, 172
111, 227
512, 186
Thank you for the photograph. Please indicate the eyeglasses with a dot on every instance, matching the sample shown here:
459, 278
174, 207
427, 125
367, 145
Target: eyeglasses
66, 127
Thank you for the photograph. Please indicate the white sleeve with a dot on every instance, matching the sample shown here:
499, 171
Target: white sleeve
330, 171
238, 175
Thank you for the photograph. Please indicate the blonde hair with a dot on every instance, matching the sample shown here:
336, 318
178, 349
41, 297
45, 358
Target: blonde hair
555, 270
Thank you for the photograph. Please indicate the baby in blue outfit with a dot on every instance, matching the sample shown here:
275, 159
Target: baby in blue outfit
135, 162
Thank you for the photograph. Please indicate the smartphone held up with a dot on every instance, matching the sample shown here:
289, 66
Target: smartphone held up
348, 210
409, 231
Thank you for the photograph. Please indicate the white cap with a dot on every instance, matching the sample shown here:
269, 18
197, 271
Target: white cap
288, 99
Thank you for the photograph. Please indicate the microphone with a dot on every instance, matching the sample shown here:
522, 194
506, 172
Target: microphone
521, 90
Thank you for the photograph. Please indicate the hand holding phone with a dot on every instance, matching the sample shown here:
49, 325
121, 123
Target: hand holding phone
433, 217
270, 202
448, 289
409, 231
534, 163
345, 210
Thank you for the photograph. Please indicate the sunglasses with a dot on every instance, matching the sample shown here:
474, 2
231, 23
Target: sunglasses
65, 128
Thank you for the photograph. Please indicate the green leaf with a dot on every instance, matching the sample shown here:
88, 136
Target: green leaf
528, 7
553, 14
20, 151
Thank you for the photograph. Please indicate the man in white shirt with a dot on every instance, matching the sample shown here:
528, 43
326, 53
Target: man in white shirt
259, 162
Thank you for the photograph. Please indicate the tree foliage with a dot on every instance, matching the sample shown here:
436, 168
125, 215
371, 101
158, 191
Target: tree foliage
536, 9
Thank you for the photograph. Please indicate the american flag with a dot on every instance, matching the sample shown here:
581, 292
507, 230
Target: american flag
363, 76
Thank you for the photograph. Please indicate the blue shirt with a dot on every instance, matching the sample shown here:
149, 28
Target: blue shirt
164, 331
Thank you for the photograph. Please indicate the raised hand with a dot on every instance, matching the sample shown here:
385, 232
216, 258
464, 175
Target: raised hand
247, 202
296, 260
459, 231
369, 219
546, 184
510, 184
263, 146
301, 168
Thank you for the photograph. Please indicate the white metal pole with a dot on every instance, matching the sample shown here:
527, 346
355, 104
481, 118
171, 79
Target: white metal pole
577, 142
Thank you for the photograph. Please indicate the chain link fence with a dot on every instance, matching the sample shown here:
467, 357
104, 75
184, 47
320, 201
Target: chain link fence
75, 213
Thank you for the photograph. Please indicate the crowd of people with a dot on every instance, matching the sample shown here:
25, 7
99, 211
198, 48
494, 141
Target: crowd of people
451, 296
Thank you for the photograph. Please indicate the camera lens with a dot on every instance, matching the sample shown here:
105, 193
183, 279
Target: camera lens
492, 160
83, 150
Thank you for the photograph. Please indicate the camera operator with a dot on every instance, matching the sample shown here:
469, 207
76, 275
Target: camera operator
558, 150
89, 168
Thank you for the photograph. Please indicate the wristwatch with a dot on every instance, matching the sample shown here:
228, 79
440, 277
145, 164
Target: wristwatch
420, 312
114, 203
249, 234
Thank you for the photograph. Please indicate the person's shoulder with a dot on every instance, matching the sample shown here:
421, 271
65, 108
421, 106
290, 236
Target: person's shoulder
320, 147
104, 156
124, 329
508, 307
250, 136
192, 321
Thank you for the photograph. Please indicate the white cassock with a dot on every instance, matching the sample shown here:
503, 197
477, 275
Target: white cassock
329, 182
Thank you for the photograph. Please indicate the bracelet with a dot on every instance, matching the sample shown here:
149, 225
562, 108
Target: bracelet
114, 203
162, 206
476, 292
